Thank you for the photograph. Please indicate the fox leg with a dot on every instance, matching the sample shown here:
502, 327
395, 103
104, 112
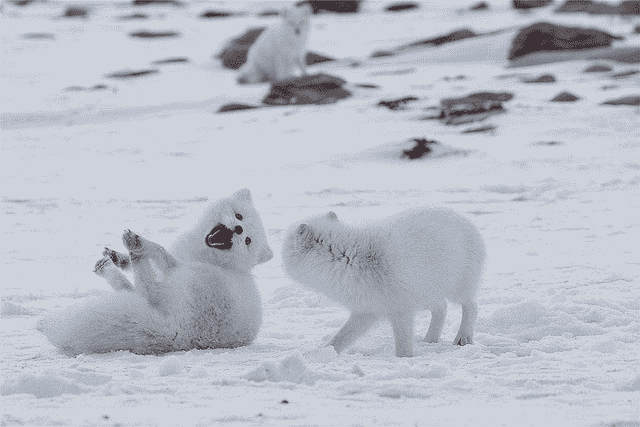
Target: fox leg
122, 261
106, 268
150, 263
357, 325
438, 314
402, 324
469, 317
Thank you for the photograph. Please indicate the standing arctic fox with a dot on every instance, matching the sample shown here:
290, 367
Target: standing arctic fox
415, 260
280, 49
201, 295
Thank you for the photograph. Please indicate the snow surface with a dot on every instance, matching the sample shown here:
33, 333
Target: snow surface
554, 190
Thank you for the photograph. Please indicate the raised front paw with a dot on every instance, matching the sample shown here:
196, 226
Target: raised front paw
121, 261
132, 242
102, 265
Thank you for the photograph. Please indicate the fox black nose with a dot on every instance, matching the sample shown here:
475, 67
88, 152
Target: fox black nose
238, 229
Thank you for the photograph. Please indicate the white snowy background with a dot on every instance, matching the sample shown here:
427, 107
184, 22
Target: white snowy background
554, 190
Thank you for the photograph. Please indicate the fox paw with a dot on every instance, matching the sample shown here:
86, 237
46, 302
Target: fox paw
132, 241
121, 261
463, 339
102, 265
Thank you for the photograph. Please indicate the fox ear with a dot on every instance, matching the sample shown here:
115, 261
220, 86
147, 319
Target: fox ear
243, 194
332, 216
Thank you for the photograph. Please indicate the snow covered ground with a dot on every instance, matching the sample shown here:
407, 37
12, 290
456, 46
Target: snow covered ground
553, 187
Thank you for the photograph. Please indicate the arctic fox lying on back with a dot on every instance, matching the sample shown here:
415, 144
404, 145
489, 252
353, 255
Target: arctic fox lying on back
280, 49
201, 295
415, 260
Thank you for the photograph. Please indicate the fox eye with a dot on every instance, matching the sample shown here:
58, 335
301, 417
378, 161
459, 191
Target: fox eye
239, 217
247, 240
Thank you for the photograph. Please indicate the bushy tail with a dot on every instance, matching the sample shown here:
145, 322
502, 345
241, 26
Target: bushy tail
119, 321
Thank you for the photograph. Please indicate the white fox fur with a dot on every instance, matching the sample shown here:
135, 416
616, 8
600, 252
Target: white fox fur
280, 50
415, 260
198, 296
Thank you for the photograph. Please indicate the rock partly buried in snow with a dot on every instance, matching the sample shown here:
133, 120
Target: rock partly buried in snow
436, 41
421, 149
129, 74
133, 16
475, 107
624, 74
212, 14
38, 36
530, 4
175, 60
600, 8
156, 2
75, 12
546, 37
633, 100
481, 129
479, 6
544, 78
598, 68
397, 104
565, 97
170, 366
234, 53
318, 6
154, 34
310, 89
398, 7
227, 108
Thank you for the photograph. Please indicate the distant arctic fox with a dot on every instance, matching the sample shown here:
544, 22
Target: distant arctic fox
415, 260
280, 49
201, 295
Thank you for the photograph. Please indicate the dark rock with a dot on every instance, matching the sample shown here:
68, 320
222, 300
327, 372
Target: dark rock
269, 12
156, 2
480, 129
479, 6
285, 401
626, 100
419, 150
21, 2
367, 86
38, 36
310, 89
319, 6
170, 61
530, 4
235, 107
99, 87
75, 12
598, 68
133, 16
474, 107
315, 58
548, 37
629, 8
217, 14
637, 29
565, 97
397, 104
624, 74
73, 89
437, 41
401, 6
129, 74
545, 78
234, 54
600, 8
154, 34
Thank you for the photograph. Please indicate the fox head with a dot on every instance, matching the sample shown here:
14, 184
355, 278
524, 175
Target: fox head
229, 234
297, 18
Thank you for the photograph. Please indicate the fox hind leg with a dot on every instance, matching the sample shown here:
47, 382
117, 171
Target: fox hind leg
150, 263
357, 325
122, 261
438, 315
106, 269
